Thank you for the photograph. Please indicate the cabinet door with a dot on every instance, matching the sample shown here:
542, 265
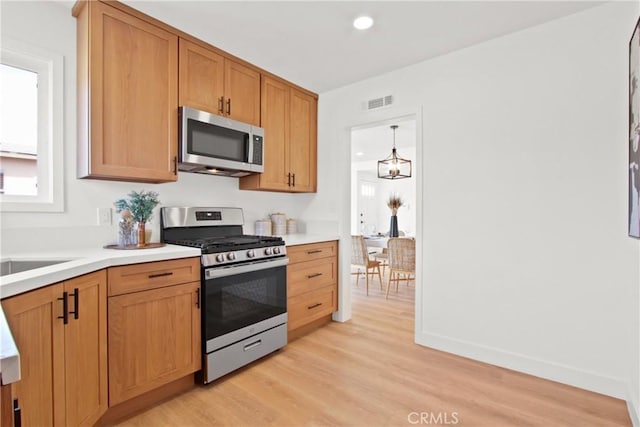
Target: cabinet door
275, 121
134, 97
201, 78
39, 336
6, 405
242, 92
85, 341
154, 338
302, 141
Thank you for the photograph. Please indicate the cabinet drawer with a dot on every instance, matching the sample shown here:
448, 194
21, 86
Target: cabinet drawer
301, 253
311, 275
151, 275
311, 306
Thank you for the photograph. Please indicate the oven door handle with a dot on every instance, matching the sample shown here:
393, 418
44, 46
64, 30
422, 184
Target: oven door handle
214, 273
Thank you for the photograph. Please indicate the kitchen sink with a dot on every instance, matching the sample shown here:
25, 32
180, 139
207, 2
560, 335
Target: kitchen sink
11, 266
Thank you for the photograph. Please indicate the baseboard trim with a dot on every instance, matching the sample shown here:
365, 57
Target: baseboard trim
540, 368
633, 414
634, 411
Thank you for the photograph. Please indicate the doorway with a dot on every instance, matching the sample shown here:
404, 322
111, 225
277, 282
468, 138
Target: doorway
369, 213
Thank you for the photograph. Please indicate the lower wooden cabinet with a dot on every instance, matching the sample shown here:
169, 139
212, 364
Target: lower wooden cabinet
312, 283
63, 353
154, 334
6, 407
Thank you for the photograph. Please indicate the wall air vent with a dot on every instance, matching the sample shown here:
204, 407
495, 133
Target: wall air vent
383, 101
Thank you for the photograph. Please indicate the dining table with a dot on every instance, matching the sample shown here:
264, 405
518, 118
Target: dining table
376, 241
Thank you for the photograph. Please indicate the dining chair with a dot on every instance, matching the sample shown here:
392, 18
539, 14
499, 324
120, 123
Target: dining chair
402, 261
383, 258
360, 258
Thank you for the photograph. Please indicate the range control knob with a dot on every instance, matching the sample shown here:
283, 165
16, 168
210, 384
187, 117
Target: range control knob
268, 251
250, 253
220, 257
231, 256
276, 251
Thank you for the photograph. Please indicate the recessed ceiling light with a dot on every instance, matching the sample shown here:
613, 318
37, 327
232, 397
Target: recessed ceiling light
359, 153
363, 22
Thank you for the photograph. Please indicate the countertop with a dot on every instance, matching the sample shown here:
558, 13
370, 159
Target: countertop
82, 261
303, 239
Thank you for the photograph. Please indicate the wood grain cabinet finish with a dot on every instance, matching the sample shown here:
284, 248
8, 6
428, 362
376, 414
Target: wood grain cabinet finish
154, 331
63, 365
212, 82
312, 283
151, 275
127, 96
289, 118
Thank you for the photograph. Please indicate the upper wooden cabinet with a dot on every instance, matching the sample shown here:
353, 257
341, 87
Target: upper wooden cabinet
135, 71
289, 118
64, 354
211, 82
127, 96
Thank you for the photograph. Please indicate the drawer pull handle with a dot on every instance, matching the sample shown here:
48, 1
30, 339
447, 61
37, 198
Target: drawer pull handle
311, 276
317, 251
65, 308
17, 414
76, 304
153, 276
252, 345
311, 307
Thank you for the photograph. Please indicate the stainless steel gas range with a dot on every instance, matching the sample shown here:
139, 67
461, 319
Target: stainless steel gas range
243, 285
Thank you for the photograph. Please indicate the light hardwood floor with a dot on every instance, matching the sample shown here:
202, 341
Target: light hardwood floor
368, 372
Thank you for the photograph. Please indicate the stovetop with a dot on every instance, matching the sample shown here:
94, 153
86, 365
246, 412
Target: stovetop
212, 245
218, 233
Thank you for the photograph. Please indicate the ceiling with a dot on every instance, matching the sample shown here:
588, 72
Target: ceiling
313, 43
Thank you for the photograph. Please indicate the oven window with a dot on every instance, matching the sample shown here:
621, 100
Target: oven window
240, 300
205, 139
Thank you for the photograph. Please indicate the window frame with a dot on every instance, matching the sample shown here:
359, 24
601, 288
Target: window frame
49, 67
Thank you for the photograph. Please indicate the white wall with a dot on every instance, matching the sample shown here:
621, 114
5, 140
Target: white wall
51, 26
522, 228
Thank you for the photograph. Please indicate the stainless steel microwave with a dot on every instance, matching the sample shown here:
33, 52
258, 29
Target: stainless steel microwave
217, 145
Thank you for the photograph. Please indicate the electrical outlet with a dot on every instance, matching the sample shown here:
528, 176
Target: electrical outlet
104, 216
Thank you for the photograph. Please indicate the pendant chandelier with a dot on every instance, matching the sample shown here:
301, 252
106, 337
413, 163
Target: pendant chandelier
394, 167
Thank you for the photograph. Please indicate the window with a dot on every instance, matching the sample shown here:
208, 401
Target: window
30, 128
368, 190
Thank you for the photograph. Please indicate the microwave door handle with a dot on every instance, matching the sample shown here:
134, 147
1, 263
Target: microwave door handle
248, 143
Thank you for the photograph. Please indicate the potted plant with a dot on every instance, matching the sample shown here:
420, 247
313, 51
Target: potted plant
141, 205
394, 202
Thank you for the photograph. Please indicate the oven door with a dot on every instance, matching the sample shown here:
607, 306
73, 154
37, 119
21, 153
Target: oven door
243, 299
